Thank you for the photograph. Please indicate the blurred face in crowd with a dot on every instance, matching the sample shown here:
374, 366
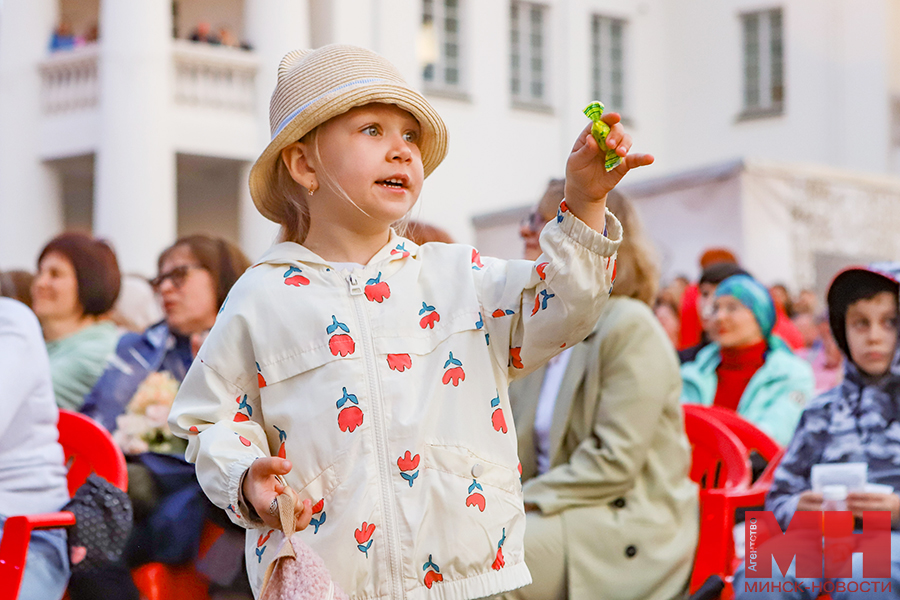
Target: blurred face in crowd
735, 325
872, 332
187, 291
55, 289
530, 231
705, 309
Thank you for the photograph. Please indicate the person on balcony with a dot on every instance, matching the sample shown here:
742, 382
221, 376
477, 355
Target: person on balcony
611, 511
77, 283
32, 474
857, 421
747, 369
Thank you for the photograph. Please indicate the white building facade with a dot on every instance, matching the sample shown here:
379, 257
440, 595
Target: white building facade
143, 135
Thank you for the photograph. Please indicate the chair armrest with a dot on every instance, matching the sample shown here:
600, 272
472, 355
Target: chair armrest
14, 545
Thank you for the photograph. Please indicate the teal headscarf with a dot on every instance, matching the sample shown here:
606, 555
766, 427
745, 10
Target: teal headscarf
754, 296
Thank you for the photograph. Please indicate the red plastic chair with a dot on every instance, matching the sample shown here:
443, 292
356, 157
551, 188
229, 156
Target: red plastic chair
721, 467
88, 448
750, 435
158, 581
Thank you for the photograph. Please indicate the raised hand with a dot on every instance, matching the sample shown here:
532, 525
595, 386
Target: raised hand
588, 181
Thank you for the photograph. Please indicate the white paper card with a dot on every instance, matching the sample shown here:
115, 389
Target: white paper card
851, 475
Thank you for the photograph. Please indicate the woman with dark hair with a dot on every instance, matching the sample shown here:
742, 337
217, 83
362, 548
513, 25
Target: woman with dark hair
195, 274
76, 284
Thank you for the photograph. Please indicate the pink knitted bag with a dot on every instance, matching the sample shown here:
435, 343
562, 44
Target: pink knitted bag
297, 573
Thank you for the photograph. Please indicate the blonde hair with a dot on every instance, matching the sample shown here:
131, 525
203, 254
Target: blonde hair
294, 215
637, 270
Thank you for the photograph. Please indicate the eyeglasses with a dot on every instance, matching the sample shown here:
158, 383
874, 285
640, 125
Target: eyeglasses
533, 221
177, 275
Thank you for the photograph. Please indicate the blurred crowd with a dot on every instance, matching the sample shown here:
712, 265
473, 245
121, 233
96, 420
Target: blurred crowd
601, 434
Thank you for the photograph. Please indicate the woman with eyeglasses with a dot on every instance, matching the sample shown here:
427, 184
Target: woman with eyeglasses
76, 285
195, 274
170, 510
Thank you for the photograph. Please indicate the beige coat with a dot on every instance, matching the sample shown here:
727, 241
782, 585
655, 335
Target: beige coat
619, 460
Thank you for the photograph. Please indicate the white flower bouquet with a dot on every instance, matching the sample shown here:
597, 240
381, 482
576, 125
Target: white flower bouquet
143, 427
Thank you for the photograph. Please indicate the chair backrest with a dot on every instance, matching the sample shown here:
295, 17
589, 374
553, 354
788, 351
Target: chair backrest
89, 448
719, 459
750, 435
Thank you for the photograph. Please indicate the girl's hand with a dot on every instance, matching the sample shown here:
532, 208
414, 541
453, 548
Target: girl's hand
810, 500
858, 502
263, 485
587, 180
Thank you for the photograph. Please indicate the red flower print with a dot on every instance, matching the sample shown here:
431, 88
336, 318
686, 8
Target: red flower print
407, 462
515, 358
240, 417
432, 573
264, 538
454, 375
318, 506
431, 577
454, 371
350, 418
615, 262
477, 500
244, 440
377, 290
401, 250
499, 421
399, 362
498, 313
563, 206
340, 343
540, 270
193, 429
260, 380
296, 280
364, 533
476, 260
282, 437
499, 563
431, 317
537, 305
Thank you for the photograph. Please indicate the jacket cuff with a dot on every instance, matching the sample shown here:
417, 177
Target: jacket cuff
240, 512
604, 244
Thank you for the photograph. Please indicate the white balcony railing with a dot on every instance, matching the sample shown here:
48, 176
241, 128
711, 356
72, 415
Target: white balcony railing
204, 76
214, 76
69, 80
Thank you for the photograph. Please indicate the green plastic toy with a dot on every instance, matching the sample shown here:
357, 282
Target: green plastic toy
600, 130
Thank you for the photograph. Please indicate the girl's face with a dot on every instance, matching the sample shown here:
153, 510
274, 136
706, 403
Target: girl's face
872, 332
188, 292
55, 289
370, 152
734, 324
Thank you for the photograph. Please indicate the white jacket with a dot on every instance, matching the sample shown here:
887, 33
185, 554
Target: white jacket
387, 390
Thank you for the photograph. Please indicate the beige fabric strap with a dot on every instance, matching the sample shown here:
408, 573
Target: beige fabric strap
288, 524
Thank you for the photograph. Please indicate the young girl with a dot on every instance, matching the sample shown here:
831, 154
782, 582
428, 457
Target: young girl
377, 367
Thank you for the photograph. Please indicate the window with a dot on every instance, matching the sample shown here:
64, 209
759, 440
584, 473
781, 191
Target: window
528, 55
607, 62
441, 44
763, 63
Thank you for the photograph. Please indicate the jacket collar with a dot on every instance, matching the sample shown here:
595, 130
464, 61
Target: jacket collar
292, 253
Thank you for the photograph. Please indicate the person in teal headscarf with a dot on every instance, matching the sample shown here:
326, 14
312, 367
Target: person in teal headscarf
747, 368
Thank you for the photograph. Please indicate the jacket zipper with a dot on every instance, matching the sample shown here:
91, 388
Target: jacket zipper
391, 536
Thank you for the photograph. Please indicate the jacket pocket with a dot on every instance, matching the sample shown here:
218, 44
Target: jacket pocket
421, 340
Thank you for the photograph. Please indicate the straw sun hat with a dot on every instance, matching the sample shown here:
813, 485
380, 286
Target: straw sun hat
316, 85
